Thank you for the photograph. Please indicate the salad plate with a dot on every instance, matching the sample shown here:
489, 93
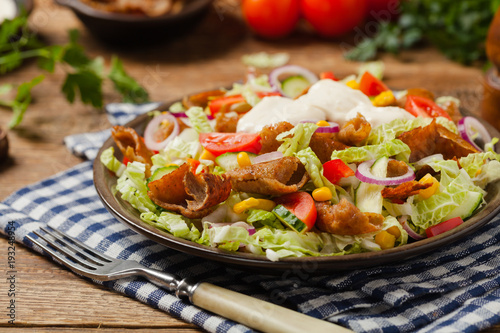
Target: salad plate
105, 183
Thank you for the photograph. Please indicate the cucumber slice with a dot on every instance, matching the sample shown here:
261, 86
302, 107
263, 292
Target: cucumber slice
160, 172
293, 86
289, 219
472, 201
229, 161
369, 196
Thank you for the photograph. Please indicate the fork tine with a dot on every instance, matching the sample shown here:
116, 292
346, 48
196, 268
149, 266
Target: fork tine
73, 266
88, 249
75, 246
65, 251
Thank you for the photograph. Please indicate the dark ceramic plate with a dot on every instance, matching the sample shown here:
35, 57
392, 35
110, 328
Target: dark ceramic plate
131, 29
124, 212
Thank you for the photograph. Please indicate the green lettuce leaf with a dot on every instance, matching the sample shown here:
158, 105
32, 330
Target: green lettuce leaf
199, 120
132, 185
173, 223
264, 218
365, 153
299, 140
111, 162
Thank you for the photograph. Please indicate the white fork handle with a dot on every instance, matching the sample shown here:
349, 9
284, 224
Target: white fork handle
258, 314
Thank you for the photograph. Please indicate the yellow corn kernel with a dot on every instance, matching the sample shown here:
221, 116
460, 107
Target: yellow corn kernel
323, 123
385, 240
243, 159
206, 155
322, 194
428, 192
353, 84
242, 206
265, 204
385, 98
394, 231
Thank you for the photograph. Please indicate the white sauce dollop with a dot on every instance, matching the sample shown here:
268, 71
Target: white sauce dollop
326, 100
8, 10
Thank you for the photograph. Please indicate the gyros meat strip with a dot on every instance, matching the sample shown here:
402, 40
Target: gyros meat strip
132, 146
193, 196
403, 191
285, 175
435, 139
322, 144
345, 218
355, 131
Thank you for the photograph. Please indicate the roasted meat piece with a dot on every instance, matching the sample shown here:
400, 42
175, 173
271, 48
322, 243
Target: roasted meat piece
193, 196
268, 136
285, 175
226, 122
403, 191
435, 139
355, 131
345, 218
132, 146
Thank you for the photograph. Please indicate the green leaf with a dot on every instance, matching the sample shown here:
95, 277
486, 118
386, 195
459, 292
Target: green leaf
131, 91
53, 56
22, 100
85, 83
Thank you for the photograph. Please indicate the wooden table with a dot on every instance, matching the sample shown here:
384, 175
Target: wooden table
50, 298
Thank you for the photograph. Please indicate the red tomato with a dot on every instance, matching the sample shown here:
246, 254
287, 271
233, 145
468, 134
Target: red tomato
219, 103
271, 18
301, 204
328, 75
335, 170
126, 160
332, 18
424, 107
220, 143
370, 85
443, 226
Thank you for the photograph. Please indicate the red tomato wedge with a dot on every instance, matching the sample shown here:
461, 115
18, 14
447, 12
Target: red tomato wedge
371, 86
300, 204
335, 170
222, 103
443, 226
220, 143
424, 107
328, 75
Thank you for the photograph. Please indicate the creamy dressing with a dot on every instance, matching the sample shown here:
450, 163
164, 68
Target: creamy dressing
326, 100
8, 10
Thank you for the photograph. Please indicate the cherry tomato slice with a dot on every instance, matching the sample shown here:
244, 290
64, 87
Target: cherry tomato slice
220, 143
335, 170
328, 75
301, 204
370, 85
443, 226
422, 106
222, 103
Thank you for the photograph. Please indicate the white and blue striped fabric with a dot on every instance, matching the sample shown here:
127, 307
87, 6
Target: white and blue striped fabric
455, 289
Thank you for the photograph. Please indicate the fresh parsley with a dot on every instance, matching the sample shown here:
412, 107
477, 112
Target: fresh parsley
457, 28
84, 76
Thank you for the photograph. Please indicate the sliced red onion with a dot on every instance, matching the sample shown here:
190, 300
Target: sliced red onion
364, 174
184, 115
153, 126
427, 159
469, 126
290, 70
333, 128
403, 220
274, 155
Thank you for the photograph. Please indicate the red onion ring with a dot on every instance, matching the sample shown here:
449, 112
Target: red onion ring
290, 70
152, 127
410, 231
184, 115
468, 126
333, 128
251, 230
364, 174
274, 155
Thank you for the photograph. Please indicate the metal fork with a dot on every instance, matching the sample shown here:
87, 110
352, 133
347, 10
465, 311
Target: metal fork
249, 311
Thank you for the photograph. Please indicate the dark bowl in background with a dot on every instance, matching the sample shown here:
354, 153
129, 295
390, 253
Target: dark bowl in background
123, 29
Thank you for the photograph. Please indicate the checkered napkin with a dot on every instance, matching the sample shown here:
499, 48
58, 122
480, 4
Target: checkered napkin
455, 289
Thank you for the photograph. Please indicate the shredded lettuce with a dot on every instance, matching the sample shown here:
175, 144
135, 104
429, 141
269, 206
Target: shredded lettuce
199, 120
180, 149
299, 140
263, 217
172, 223
365, 153
133, 187
376, 68
111, 162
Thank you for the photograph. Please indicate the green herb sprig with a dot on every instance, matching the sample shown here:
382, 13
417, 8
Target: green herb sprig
84, 76
456, 28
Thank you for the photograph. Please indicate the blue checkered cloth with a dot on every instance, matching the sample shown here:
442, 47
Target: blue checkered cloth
455, 289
